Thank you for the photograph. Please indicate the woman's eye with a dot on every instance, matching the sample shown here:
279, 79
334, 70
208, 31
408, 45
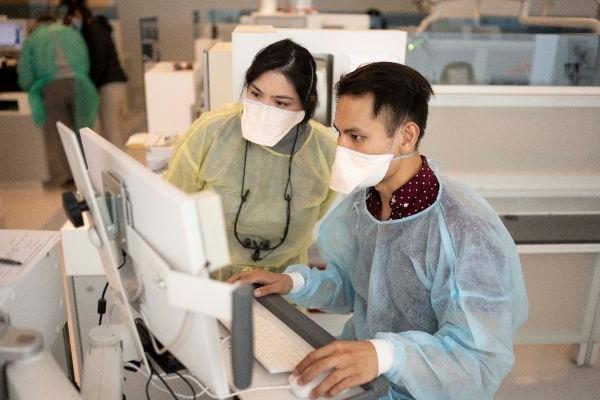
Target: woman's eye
356, 138
281, 104
255, 94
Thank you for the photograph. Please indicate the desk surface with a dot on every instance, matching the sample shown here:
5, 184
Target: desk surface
553, 229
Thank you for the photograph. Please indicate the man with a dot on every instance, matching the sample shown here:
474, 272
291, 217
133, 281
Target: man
425, 264
54, 68
105, 70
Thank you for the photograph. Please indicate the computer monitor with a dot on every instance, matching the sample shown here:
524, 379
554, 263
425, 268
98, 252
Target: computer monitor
12, 34
346, 50
173, 243
324, 73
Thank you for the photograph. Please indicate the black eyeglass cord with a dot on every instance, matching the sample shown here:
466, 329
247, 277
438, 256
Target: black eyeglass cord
265, 245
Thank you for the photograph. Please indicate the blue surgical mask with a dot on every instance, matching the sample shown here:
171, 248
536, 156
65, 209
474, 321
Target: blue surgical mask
77, 24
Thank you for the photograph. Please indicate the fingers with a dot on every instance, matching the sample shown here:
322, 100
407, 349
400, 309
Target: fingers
349, 381
331, 381
316, 355
348, 363
276, 288
316, 368
235, 277
254, 276
274, 283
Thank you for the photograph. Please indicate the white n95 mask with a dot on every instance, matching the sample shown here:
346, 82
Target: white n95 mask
352, 169
267, 125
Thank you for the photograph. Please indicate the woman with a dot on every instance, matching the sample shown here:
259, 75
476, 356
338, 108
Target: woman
269, 162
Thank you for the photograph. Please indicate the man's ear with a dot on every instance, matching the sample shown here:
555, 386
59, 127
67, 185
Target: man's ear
410, 137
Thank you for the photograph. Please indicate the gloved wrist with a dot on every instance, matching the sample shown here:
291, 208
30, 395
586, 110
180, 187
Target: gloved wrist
385, 355
297, 281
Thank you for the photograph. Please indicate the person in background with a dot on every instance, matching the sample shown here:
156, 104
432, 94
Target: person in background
266, 158
105, 70
54, 68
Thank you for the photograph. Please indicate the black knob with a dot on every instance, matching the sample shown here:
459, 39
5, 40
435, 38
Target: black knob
74, 208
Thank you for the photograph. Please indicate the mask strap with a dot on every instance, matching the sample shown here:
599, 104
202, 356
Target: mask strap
401, 156
397, 134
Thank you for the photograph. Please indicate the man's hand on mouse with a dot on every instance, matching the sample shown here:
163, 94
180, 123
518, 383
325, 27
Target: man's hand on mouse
274, 283
352, 363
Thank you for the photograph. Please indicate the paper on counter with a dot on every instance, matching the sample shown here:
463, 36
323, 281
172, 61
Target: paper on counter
145, 140
28, 247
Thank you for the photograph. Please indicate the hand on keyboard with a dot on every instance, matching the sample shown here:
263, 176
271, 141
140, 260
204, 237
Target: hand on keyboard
274, 283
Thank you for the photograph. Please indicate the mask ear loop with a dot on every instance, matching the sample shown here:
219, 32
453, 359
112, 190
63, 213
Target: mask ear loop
401, 156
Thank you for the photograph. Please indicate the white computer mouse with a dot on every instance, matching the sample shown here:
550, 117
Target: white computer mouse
303, 391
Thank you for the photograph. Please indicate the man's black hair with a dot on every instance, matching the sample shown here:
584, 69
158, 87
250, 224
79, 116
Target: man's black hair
398, 91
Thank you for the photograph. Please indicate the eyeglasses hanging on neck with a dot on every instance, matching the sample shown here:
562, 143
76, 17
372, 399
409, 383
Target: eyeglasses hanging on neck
259, 244
256, 243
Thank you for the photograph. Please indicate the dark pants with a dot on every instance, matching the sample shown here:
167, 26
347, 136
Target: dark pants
59, 104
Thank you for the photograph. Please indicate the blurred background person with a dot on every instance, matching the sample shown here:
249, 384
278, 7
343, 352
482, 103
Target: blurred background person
105, 69
54, 69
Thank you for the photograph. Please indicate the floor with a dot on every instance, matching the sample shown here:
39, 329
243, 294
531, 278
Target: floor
541, 372
547, 373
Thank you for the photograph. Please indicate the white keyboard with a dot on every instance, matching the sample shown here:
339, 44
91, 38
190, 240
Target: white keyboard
276, 346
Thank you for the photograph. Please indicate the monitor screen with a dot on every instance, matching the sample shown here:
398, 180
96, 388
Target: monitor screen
12, 34
324, 73
159, 222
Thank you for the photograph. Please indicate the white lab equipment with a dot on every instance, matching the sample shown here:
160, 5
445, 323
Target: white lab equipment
336, 52
302, 15
33, 344
309, 21
349, 49
216, 71
283, 20
172, 94
171, 268
174, 240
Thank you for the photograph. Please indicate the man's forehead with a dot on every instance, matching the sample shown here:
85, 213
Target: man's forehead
356, 110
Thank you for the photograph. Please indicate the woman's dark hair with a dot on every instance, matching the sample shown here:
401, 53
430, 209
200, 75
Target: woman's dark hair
399, 91
44, 18
296, 64
84, 10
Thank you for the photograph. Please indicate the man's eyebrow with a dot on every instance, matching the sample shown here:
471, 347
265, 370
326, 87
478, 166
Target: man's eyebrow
353, 129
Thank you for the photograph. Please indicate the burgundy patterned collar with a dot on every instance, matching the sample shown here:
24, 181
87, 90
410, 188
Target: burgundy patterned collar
413, 197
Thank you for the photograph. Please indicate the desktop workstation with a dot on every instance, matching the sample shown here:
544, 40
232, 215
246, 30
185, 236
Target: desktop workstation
169, 288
